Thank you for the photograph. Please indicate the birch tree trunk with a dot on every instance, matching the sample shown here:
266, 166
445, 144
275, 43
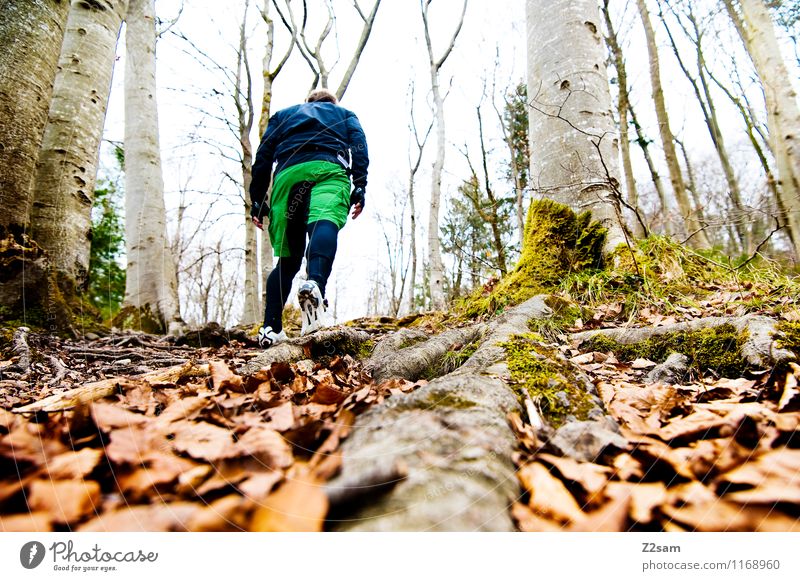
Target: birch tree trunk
31, 32
269, 74
151, 288
571, 123
705, 100
436, 278
243, 98
693, 226
783, 114
622, 111
61, 216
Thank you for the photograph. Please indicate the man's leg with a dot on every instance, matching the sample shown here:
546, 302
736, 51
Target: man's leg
279, 284
323, 237
279, 281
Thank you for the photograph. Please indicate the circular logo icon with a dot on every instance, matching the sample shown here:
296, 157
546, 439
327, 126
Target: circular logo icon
31, 554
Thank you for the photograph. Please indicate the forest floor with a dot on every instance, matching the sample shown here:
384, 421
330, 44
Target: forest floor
136, 432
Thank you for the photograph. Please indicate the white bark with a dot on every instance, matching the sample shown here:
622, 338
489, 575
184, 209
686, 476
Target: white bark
65, 174
151, 278
30, 41
783, 114
574, 140
436, 278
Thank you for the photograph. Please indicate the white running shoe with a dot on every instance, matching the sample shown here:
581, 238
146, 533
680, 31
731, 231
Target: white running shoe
313, 308
267, 337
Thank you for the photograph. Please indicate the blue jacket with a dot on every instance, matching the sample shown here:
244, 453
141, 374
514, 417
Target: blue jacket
306, 132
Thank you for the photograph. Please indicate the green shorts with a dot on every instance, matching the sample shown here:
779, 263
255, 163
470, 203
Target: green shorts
330, 198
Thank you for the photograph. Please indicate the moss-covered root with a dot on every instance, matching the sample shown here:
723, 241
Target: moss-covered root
557, 242
427, 358
788, 336
727, 345
455, 445
560, 391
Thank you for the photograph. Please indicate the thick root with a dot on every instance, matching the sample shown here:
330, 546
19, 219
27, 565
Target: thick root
392, 359
451, 437
758, 346
327, 342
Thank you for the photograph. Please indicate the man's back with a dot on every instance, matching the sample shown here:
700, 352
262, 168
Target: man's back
311, 131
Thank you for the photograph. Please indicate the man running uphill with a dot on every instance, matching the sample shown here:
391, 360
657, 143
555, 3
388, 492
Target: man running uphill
317, 147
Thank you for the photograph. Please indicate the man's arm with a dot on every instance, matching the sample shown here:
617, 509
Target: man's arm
358, 151
262, 171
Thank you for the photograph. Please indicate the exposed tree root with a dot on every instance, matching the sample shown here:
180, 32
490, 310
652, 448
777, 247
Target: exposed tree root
22, 349
452, 435
759, 348
336, 341
391, 359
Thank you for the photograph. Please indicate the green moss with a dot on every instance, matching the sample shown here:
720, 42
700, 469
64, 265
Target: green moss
141, 319
412, 341
445, 400
788, 334
565, 314
557, 242
554, 387
450, 361
362, 350
716, 348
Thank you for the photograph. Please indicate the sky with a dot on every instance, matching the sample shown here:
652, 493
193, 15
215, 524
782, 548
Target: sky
489, 54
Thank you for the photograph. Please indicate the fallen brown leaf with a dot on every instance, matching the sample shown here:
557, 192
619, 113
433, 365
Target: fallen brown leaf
265, 446
66, 501
75, 465
720, 516
530, 522
201, 440
548, 495
166, 517
222, 378
298, 505
38, 522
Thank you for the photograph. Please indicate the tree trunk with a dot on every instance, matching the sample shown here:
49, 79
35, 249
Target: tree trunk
31, 32
783, 114
30, 42
151, 288
703, 94
644, 144
436, 278
434, 245
413, 233
251, 311
572, 126
693, 228
61, 216
622, 110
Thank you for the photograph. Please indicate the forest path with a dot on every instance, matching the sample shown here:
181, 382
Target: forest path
159, 436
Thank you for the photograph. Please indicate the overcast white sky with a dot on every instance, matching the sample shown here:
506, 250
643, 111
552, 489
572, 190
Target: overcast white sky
494, 31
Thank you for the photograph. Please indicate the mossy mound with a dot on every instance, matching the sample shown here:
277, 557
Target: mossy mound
659, 272
557, 242
718, 349
789, 336
554, 387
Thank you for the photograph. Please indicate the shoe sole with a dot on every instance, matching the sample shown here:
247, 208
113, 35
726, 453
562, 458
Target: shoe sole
309, 310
